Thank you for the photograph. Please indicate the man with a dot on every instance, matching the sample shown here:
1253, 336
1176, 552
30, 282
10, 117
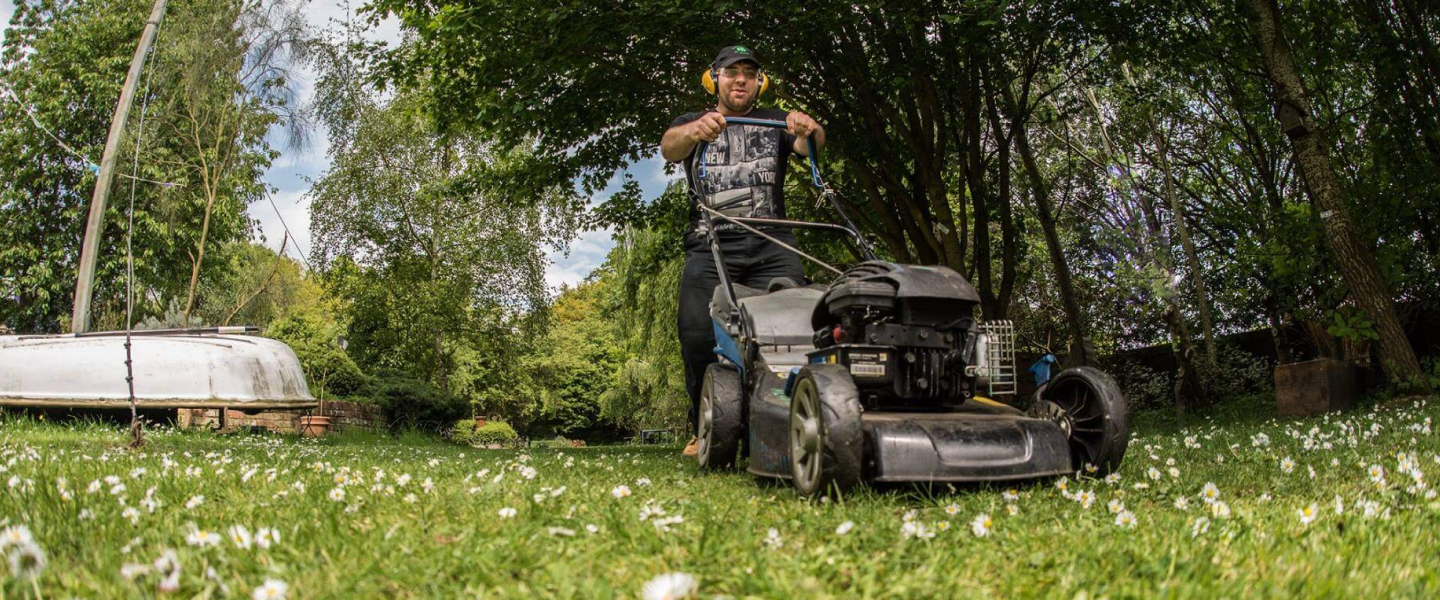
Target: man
744, 177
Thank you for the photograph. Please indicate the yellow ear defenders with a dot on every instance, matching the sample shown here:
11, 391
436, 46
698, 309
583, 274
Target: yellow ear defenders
708, 82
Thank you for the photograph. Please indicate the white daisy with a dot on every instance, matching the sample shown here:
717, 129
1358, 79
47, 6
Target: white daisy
272, 589
1201, 525
1219, 509
670, 586
240, 536
981, 525
15, 535
1125, 519
1210, 492
507, 513
202, 538
844, 528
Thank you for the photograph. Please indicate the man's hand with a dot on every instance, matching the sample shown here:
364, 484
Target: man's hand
804, 129
801, 125
707, 128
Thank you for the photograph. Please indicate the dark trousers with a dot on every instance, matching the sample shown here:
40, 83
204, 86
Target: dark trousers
751, 261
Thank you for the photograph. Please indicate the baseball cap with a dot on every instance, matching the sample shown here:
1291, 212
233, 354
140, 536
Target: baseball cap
730, 55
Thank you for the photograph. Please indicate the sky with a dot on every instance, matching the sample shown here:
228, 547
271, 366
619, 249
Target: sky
292, 173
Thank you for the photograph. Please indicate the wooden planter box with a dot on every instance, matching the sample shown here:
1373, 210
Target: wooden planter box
1314, 387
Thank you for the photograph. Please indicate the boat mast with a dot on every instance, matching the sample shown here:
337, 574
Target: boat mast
95, 225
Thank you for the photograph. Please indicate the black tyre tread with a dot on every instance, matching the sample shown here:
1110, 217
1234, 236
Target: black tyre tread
1116, 428
722, 382
843, 438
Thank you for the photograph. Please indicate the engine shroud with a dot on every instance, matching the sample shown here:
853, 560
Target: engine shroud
905, 332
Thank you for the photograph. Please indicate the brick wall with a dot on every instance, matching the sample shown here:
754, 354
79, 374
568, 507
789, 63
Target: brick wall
343, 415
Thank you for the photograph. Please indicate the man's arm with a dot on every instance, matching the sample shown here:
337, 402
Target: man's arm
680, 140
802, 127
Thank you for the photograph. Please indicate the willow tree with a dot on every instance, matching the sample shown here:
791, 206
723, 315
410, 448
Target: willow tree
444, 227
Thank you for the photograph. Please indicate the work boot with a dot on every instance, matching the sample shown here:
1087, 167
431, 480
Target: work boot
693, 448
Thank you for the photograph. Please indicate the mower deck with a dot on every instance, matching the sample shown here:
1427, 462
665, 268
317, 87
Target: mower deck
976, 443
979, 441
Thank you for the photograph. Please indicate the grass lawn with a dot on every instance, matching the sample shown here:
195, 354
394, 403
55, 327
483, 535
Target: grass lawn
364, 516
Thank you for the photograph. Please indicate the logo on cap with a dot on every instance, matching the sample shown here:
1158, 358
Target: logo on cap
742, 50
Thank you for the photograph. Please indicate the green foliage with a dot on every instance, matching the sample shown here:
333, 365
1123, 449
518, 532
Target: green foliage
494, 432
329, 371
644, 269
414, 404
463, 431
1351, 325
258, 286
573, 363
432, 239
215, 84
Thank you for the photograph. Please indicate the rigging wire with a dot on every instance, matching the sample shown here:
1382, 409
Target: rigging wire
90, 165
298, 250
137, 438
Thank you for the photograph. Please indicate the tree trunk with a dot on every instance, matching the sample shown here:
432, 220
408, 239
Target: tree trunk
1277, 329
973, 156
1202, 293
1008, 236
1189, 377
1080, 352
199, 255
1357, 264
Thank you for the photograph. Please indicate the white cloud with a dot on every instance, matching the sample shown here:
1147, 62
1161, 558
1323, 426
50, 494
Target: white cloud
7, 9
572, 266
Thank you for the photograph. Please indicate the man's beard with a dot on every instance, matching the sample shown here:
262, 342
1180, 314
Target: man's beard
742, 109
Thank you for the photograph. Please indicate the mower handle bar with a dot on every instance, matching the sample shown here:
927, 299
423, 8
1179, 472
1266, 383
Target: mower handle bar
815, 179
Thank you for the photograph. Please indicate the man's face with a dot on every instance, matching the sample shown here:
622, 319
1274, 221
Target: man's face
739, 84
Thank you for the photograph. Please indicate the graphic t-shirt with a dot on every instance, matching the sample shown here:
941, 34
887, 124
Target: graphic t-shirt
744, 170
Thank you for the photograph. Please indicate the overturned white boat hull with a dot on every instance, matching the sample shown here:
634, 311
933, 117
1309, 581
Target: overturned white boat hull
172, 370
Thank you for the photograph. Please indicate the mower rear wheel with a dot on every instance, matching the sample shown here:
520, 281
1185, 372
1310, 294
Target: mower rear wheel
1088, 405
827, 445
720, 422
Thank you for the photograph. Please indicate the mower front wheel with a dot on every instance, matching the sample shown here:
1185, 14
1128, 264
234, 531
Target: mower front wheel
827, 445
720, 422
1087, 404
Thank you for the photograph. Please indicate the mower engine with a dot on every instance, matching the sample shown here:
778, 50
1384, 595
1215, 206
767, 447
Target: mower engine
907, 335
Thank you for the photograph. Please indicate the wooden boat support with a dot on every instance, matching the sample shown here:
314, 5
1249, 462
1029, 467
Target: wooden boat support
205, 368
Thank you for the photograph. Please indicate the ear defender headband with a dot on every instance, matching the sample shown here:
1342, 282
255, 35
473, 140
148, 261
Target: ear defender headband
708, 82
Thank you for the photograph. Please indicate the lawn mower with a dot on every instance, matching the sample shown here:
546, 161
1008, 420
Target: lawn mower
884, 375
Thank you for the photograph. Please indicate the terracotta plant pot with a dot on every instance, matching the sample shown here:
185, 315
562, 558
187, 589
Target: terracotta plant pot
314, 426
479, 422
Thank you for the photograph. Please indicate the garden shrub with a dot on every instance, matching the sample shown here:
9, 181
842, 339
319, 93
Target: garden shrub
325, 364
413, 404
463, 432
494, 432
